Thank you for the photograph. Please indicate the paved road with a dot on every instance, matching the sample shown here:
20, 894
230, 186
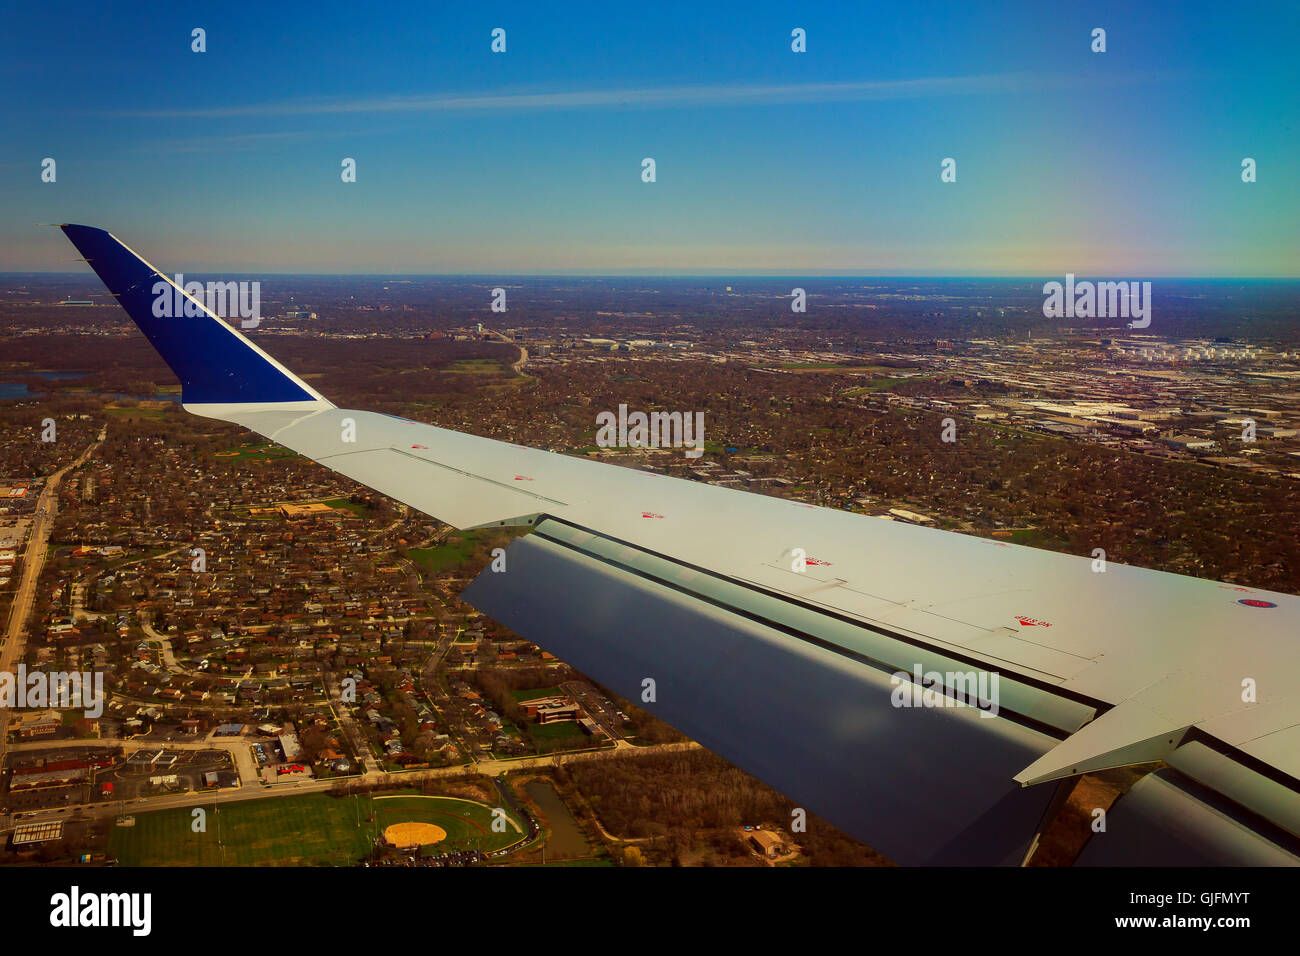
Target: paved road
258, 792
168, 656
38, 543
343, 713
250, 789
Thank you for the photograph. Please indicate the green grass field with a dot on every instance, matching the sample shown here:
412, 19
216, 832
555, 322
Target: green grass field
443, 557
876, 385
257, 452
475, 366
536, 693
455, 551
343, 504
298, 831
132, 413
557, 730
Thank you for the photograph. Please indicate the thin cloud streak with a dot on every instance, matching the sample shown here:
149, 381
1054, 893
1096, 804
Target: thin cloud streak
650, 98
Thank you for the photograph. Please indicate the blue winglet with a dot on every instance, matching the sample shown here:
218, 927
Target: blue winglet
215, 363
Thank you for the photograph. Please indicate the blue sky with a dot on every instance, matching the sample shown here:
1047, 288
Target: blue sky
1125, 163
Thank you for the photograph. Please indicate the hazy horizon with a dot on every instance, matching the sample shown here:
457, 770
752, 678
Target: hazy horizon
936, 277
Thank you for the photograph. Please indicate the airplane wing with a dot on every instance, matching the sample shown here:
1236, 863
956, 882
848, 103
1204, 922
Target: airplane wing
931, 693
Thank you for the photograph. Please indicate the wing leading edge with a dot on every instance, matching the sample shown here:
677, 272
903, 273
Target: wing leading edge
806, 679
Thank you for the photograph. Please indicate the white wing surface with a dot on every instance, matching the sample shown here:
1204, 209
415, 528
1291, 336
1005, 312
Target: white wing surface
686, 598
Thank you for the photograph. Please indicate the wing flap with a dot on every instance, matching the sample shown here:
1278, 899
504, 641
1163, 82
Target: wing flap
922, 785
1168, 819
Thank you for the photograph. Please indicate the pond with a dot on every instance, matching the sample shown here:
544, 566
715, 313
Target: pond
10, 390
567, 840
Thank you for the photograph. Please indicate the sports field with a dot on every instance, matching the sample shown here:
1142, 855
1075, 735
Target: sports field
300, 831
